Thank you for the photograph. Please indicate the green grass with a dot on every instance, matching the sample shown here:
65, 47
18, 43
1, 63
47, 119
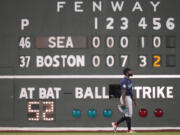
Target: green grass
149, 133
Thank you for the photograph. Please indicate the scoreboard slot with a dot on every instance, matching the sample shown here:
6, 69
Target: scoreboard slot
114, 91
60, 42
170, 60
170, 41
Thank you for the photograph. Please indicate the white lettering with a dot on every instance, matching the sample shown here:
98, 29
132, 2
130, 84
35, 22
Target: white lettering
97, 6
60, 4
137, 6
91, 92
155, 92
116, 6
27, 93
24, 23
77, 6
155, 5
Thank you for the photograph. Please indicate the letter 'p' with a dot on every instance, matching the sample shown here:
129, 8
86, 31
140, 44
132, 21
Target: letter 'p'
24, 23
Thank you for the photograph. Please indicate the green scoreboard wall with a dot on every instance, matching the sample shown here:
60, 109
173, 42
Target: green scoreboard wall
60, 59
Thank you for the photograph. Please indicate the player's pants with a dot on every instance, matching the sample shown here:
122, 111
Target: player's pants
128, 99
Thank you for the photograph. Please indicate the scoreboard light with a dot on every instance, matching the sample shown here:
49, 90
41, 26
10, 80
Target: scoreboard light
107, 113
158, 112
92, 113
33, 109
45, 108
143, 112
61, 61
48, 111
76, 113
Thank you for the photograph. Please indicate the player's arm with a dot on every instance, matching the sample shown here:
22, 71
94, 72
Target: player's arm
134, 101
123, 94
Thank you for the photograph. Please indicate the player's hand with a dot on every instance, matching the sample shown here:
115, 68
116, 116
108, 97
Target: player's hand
123, 106
135, 103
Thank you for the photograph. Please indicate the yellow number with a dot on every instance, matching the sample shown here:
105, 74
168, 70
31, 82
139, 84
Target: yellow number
156, 62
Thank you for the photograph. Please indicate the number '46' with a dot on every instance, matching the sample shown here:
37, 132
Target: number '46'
25, 42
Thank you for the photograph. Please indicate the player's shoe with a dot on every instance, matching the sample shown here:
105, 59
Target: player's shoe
131, 131
114, 125
121, 109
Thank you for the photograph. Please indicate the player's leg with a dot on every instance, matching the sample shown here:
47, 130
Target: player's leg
115, 124
129, 113
122, 119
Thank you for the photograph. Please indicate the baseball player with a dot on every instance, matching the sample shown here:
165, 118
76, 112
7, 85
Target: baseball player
126, 100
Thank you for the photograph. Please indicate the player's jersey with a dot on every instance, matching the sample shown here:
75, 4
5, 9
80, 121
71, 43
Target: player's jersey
127, 85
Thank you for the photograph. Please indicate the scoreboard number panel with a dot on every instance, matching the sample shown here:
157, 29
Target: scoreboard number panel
61, 61
157, 60
43, 110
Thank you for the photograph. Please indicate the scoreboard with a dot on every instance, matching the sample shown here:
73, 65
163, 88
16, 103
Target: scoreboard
61, 62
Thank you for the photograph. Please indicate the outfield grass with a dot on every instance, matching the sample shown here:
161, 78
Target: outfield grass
149, 133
